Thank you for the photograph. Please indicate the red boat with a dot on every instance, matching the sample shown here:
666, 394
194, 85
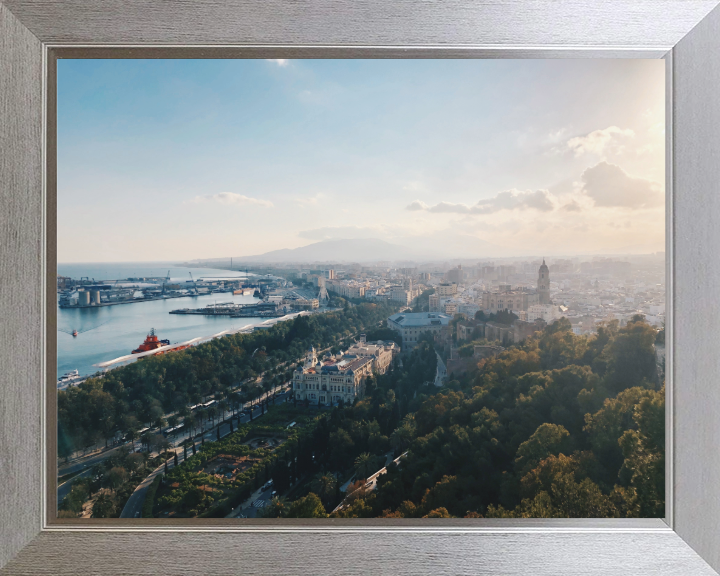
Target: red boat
153, 343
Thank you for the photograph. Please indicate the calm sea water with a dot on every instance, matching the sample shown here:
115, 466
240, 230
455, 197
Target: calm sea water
114, 331
122, 270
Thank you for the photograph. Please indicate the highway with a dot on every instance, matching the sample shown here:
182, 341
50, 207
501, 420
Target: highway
133, 507
89, 461
64, 489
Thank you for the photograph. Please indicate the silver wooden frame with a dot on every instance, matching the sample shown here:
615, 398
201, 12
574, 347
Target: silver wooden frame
685, 32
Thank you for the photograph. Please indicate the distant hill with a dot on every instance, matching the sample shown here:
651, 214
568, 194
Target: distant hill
365, 250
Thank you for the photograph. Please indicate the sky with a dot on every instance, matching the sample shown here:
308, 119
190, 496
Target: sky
190, 159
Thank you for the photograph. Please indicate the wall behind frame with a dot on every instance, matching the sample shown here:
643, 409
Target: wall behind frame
21, 283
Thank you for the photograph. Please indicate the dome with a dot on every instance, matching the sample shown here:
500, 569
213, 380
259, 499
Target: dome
543, 266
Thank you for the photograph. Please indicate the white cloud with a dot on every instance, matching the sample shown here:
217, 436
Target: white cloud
417, 205
311, 200
598, 141
572, 206
413, 186
508, 200
609, 185
231, 199
282, 62
556, 135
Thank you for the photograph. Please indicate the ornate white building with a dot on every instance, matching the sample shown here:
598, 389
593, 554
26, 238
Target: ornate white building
381, 352
342, 377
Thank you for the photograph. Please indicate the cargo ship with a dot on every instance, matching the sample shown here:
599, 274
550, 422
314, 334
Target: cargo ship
152, 342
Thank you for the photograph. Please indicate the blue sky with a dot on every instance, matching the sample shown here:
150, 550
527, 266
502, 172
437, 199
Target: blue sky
181, 159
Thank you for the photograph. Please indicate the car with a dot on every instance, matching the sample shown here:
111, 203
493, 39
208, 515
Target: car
274, 493
137, 514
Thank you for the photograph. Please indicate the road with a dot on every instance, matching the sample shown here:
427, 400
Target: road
89, 461
133, 507
441, 372
252, 506
64, 489
225, 429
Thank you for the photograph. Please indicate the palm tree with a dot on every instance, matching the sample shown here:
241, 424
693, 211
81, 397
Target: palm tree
235, 401
212, 414
324, 485
131, 435
224, 405
402, 437
202, 416
189, 423
145, 440
365, 465
267, 386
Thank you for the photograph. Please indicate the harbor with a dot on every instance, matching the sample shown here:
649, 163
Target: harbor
234, 310
92, 331
88, 335
86, 292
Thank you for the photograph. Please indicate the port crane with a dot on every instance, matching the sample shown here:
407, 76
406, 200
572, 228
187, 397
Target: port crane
167, 279
194, 285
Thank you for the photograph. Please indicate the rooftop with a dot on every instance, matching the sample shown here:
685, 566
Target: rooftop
420, 319
346, 365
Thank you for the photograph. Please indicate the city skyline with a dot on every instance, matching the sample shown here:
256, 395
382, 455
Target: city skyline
473, 158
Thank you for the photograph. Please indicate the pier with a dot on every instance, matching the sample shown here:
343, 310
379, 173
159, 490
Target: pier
262, 310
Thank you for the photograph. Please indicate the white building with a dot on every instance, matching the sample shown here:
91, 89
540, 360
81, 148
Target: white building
548, 312
468, 309
381, 353
446, 289
329, 381
346, 289
411, 326
399, 294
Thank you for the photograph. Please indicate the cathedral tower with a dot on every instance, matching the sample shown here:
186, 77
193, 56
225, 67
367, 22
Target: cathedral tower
543, 283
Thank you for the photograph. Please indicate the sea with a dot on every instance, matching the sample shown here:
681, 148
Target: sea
108, 332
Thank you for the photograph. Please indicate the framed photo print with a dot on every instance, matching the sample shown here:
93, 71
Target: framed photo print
410, 288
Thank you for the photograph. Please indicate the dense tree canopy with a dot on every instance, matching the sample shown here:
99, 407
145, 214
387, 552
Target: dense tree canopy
140, 394
559, 426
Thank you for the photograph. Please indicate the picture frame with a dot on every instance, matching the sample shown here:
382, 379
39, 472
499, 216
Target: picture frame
685, 33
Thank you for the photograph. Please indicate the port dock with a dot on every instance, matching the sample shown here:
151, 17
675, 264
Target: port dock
260, 310
87, 293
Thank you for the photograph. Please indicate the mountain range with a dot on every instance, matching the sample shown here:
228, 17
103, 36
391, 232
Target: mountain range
419, 249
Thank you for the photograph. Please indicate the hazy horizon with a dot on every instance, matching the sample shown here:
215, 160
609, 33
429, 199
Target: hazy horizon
459, 159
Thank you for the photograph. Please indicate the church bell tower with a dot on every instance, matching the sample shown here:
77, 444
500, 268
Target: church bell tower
543, 283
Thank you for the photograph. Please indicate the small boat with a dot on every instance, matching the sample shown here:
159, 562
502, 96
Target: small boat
75, 333
68, 377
